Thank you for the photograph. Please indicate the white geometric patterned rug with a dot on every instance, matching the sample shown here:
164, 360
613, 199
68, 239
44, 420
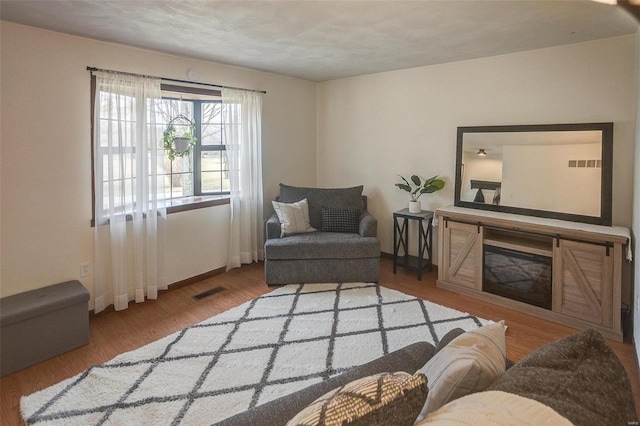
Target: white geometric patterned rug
271, 346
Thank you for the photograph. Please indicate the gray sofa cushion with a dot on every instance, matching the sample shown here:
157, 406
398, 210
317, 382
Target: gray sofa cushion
322, 245
580, 377
345, 198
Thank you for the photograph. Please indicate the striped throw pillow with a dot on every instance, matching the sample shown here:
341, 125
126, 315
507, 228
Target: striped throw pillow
293, 217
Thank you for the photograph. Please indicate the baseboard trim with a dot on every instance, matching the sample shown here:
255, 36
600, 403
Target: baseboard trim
174, 286
192, 280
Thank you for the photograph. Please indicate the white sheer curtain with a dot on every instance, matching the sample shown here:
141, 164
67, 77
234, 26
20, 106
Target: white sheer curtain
243, 132
129, 187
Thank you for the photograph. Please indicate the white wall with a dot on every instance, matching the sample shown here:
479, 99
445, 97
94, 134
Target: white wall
373, 127
46, 154
539, 177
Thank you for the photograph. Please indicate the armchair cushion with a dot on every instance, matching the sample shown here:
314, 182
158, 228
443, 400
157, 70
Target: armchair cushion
323, 245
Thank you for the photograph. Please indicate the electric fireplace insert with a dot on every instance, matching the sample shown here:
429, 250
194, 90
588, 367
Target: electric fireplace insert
517, 275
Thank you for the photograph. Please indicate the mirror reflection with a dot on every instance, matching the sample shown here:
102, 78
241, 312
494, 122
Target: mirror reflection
544, 172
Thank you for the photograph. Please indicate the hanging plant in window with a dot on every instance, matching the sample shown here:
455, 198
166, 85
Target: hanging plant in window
177, 141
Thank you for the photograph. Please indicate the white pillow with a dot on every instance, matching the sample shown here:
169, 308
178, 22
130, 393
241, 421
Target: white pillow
468, 364
293, 217
494, 408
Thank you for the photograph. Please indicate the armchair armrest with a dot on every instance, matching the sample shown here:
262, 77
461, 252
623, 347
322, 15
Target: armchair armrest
273, 227
368, 225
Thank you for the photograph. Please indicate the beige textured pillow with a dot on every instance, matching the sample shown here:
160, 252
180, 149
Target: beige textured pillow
293, 217
370, 401
469, 363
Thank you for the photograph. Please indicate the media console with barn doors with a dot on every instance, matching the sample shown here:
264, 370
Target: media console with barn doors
565, 272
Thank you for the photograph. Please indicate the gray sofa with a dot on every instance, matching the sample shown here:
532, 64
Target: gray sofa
579, 377
323, 256
281, 410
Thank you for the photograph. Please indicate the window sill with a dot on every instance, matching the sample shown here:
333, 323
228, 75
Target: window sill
196, 202
189, 203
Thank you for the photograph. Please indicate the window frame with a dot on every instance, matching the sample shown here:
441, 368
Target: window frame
173, 205
199, 148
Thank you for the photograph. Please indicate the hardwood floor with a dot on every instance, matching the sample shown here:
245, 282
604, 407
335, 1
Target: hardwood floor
117, 332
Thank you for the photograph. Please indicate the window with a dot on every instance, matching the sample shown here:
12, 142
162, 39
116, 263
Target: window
198, 180
205, 171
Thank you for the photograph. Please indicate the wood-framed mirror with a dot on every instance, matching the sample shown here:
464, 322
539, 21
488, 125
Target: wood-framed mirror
557, 171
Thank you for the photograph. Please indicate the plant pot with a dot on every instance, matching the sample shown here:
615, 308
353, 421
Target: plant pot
415, 206
181, 144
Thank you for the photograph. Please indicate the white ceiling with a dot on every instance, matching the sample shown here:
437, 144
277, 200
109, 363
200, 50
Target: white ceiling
324, 40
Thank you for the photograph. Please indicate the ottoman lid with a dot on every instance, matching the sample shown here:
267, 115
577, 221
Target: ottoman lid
40, 301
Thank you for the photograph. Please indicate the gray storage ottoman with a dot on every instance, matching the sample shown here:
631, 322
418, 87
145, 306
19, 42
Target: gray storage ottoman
42, 323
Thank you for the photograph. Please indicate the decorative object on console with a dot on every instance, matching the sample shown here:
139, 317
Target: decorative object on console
418, 188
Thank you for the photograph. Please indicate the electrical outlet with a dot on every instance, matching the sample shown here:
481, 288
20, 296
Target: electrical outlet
84, 269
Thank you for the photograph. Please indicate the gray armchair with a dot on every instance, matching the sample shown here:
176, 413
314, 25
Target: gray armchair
319, 256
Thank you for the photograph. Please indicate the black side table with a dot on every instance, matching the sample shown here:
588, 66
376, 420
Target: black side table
401, 220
